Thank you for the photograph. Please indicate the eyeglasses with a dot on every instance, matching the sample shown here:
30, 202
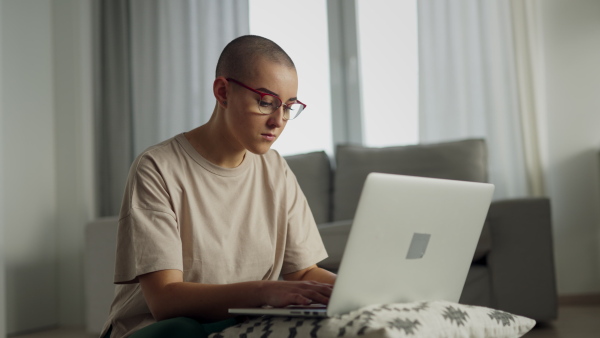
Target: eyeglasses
269, 103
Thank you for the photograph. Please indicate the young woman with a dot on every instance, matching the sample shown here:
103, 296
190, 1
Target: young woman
213, 217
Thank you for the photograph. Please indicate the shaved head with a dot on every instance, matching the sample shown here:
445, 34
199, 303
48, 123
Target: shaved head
240, 56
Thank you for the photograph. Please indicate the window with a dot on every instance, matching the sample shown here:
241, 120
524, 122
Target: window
301, 30
388, 53
387, 42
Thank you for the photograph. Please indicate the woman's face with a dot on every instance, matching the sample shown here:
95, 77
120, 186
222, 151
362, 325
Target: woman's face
248, 127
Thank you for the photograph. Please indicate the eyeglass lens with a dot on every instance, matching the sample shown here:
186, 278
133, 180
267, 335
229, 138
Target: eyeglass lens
269, 104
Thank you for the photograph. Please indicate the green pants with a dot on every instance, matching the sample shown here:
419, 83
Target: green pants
180, 327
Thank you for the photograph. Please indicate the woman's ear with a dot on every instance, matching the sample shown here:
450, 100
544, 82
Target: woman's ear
220, 90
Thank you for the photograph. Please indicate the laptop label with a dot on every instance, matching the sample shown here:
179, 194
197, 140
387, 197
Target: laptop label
418, 246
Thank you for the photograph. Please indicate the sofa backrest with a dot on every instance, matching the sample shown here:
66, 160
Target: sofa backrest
313, 171
464, 160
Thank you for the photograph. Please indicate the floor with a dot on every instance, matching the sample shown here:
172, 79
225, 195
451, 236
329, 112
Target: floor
573, 322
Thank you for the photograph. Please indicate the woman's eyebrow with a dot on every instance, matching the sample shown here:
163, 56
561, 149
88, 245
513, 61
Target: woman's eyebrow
267, 91
273, 93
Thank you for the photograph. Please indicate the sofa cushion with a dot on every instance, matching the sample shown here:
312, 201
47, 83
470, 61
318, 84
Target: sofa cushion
485, 243
478, 287
464, 160
313, 171
335, 237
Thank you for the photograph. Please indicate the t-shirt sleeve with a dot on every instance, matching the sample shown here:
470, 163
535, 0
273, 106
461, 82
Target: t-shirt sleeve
148, 236
304, 246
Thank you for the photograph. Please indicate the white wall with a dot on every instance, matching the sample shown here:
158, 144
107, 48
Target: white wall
572, 126
29, 165
47, 158
2, 276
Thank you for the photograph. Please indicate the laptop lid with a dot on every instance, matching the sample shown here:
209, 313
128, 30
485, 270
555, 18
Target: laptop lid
412, 238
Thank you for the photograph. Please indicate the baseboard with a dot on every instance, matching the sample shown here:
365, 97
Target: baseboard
582, 299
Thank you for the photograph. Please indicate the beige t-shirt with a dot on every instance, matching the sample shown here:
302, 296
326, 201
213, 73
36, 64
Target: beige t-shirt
217, 225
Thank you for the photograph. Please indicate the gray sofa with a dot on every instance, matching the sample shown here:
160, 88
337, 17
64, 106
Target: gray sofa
513, 266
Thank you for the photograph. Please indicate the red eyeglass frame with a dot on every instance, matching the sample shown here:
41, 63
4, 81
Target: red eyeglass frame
263, 94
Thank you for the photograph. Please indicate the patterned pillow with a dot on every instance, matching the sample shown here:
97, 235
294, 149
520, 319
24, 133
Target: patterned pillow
419, 319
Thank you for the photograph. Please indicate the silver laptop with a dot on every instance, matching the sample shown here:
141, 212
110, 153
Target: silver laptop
412, 239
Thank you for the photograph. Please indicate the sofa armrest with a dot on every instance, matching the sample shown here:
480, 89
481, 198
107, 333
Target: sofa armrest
521, 259
334, 236
100, 253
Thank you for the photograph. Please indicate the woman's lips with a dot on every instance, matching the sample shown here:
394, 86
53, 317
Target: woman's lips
269, 137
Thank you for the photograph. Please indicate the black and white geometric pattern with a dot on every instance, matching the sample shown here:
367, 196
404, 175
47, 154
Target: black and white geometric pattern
419, 319
502, 317
455, 315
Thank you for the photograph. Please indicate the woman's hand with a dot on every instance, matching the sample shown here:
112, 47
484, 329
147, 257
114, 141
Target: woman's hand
284, 293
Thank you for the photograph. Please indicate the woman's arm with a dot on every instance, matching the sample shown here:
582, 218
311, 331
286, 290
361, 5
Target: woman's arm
168, 296
312, 273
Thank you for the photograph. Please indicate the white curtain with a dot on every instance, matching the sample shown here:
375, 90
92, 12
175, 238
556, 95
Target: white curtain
175, 45
479, 77
156, 68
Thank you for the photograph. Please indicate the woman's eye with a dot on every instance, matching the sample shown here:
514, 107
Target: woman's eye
265, 104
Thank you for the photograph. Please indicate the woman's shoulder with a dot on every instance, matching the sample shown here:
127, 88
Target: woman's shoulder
164, 149
156, 159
